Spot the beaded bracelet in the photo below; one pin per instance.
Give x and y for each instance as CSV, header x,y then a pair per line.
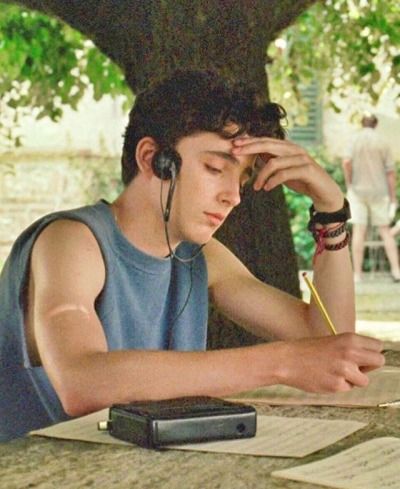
x,y
340,245
328,233
322,233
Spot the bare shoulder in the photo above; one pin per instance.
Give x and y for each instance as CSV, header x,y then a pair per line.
x,y
66,236
222,263
67,253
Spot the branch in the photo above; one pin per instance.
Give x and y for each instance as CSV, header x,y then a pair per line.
x,y
124,30
279,14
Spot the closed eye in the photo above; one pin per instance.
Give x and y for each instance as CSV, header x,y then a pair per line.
x,y
213,169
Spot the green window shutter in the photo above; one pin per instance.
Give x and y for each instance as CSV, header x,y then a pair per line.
x,y
311,133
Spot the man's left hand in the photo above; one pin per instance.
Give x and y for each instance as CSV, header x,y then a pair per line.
x,y
284,162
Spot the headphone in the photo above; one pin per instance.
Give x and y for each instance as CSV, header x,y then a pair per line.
x,y
166,165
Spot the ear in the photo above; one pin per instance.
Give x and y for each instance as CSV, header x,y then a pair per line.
x,y
145,151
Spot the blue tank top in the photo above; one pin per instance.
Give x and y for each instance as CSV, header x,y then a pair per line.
x,y
146,303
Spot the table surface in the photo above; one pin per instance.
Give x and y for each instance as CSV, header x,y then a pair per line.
x,y
35,462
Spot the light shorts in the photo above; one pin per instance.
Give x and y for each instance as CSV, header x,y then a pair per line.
x,y
373,210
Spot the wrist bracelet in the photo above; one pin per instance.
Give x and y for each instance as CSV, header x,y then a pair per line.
x,y
342,215
340,245
320,233
321,246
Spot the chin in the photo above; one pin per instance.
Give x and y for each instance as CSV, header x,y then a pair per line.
x,y
195,232
198,238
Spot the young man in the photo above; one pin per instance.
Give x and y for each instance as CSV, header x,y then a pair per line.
x,y
108,303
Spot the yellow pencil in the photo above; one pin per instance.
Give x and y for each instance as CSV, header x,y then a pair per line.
x,y
319,303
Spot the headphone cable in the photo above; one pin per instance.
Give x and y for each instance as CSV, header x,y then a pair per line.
x,y
165,212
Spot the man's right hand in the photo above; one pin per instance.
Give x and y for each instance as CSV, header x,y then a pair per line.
x,y
331,363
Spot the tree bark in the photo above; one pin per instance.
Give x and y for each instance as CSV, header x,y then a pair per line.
x,y
149,39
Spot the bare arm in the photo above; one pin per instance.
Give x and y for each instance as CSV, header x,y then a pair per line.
x,y
286,163
263,310
67,274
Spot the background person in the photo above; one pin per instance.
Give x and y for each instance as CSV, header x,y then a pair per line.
x,y
370,177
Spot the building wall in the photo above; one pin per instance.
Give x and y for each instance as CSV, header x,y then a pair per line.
x,y
95,128
60,166
32,185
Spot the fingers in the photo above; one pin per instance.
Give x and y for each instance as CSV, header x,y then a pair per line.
x,y
279,157
367,369
364,351
261,145
361,354
287,163
362,348
282,170
372,360
336,363
368,342
355,377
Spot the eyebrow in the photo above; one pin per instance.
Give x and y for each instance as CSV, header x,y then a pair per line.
x,y
224,155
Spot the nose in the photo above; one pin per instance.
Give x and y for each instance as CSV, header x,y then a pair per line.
x,y
231,194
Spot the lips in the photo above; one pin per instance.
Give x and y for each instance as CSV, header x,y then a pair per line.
x,y
215,218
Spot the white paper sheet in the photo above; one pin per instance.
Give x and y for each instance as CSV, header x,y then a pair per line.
x,y
370,465
285,437
276,436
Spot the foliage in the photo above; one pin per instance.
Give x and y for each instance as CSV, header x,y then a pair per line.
x,y
44,65
298,207
351,46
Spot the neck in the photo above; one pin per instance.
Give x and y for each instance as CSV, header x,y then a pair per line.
x,y
139,217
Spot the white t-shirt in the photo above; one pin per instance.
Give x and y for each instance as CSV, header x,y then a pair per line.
x,y
371,159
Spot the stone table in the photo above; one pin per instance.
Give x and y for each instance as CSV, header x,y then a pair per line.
x,y
44,463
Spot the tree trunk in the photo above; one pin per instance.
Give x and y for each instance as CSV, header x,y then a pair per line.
x,y
149,39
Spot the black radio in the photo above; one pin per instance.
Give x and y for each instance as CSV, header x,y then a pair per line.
x,y
154,424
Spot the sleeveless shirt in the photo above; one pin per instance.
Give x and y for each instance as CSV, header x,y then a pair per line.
x,y
146,303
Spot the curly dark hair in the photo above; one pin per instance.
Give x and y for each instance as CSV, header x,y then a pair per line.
x,y
192,101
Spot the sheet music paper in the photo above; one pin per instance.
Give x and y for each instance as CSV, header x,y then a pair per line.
x,y
384,387
370,465
276,436
284,437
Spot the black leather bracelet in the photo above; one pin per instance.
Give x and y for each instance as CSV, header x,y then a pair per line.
x,y
342,215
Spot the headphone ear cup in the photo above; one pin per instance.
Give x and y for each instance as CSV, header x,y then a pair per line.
x,y
166,164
